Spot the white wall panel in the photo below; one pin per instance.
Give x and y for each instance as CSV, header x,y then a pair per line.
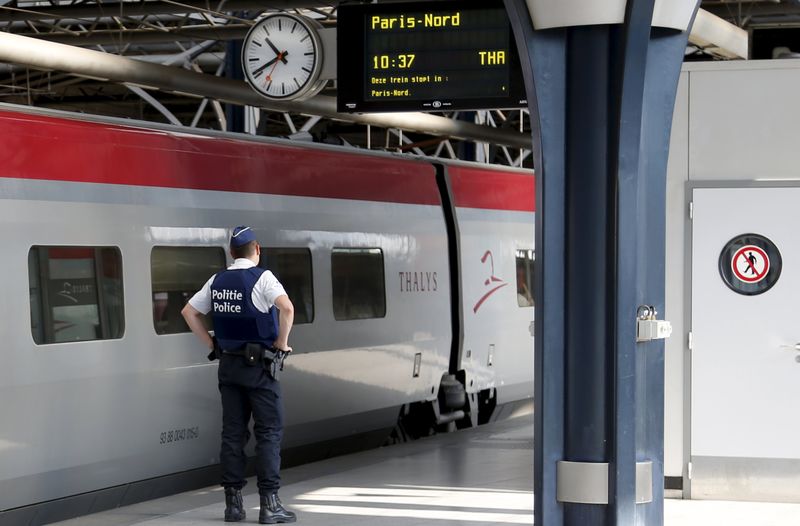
x,y
677,175
743,121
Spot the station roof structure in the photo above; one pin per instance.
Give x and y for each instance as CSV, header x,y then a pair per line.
x,y
198,36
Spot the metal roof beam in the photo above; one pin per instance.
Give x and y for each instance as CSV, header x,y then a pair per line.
x,y
95,10
718,37
101,37
731,10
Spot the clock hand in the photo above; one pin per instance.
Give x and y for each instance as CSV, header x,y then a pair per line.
x,y
275,49
268,41
264,66
275,62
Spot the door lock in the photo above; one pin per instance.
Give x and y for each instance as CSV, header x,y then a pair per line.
x,y
648,327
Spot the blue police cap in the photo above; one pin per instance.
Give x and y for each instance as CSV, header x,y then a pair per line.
x,y
242,235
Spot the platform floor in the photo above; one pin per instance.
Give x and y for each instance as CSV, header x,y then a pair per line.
x,y
475,477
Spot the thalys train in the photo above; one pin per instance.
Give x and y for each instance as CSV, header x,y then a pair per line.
x,y
411,279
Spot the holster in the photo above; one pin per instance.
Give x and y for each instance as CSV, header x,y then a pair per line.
x,y
273,362
216,352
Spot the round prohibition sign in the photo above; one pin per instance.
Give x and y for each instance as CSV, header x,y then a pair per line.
x,y
750,264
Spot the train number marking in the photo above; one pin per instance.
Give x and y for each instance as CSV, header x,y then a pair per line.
x,y
179,435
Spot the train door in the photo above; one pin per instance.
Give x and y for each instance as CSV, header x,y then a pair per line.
x,y
745,344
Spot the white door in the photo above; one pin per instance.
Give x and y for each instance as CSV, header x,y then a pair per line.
x,y
745,362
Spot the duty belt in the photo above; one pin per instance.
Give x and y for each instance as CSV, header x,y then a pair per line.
x,y
254,353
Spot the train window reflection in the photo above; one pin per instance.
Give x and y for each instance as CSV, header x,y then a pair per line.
x,y
75,293
177,273
359,290
525,262
292,267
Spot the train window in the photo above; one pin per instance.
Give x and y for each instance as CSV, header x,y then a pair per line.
x,y
292,267
76,293
177,273
359,289
525,263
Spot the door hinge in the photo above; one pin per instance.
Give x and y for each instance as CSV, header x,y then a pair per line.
x,y
689,340
689,470
691,209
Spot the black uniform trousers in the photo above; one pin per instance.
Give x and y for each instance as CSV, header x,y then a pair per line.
x,y
248,390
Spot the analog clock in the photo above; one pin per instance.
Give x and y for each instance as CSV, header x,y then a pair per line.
x,y
282,57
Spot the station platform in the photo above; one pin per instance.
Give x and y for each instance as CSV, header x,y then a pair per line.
x,y
474,477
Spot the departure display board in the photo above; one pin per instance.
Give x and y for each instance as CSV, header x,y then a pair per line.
x,y
427,56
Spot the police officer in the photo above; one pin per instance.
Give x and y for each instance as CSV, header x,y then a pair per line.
x,y
240,301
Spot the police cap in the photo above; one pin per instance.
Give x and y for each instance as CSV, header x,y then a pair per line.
x,y
242,235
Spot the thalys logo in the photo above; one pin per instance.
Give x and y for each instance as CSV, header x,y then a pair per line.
x,y
492,283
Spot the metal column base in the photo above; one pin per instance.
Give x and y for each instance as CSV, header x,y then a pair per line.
x,y
587,482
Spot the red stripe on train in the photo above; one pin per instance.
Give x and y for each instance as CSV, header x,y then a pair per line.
x,y
49,148
495,190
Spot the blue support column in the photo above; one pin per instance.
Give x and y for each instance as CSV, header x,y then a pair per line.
x,y
601,95
234,113
548,126
625,128
589,261
656,124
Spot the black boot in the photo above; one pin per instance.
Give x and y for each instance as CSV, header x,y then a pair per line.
x,y
234,506
273,512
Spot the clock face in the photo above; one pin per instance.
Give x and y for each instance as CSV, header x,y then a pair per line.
x,y
281,57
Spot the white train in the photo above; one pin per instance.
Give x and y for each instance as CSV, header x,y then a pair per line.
x,y
411,279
